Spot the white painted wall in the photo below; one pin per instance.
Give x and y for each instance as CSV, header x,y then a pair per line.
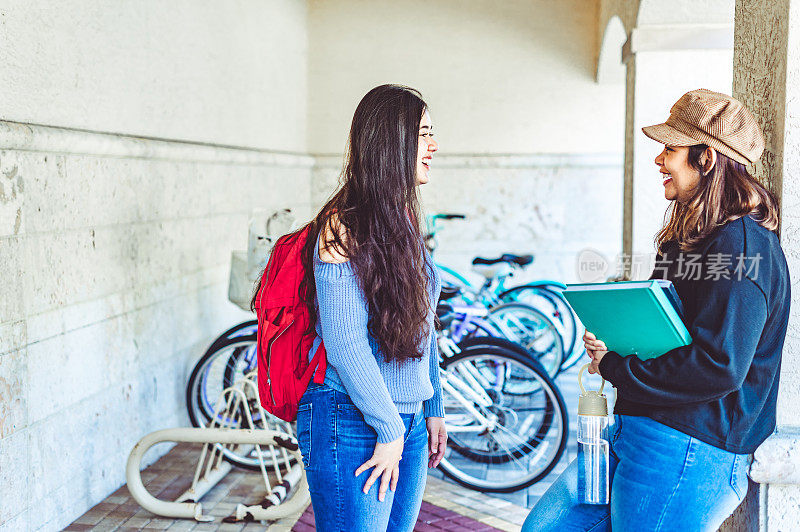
x,y
551,206
500,77
685,11
115,250
230,72
661,78
510,85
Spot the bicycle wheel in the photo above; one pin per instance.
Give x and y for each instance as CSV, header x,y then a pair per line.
x,y
217,369
500,442
533,330
246,328
551,301
242,329
516,383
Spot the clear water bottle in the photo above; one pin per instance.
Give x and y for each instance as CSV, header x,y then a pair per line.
x,y
592,444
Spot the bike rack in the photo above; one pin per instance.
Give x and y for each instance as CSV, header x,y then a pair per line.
x,y
234,408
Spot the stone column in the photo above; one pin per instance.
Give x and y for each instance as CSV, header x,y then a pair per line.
x,y
767,79
662,63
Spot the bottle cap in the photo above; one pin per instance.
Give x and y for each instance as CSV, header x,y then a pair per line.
x,y
592,402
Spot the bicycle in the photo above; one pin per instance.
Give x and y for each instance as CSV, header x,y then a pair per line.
x,y
523,324
233,361
210,375
511,380
545,295
506,420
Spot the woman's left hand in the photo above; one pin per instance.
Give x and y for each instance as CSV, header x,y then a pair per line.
x,y
437,440
596,349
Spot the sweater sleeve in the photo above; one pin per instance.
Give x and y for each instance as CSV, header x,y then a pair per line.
x,y
343,314
434,407
725,334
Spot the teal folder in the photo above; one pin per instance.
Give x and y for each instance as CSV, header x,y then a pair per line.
x,y
633,317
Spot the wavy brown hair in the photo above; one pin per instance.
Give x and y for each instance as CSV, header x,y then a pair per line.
x,y
726,193
373,221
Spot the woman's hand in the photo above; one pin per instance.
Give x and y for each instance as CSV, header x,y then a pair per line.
x,y
437,440
596,349
385,460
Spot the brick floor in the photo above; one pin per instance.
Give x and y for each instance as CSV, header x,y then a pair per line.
x,y
446,506
172,474
431,518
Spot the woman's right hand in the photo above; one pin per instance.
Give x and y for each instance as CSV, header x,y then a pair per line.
x,y
595,349
592,344
385,459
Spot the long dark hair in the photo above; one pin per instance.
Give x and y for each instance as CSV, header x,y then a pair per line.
x,y
373,221
727,193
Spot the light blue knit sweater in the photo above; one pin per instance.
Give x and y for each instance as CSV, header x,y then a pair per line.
x,y
381,390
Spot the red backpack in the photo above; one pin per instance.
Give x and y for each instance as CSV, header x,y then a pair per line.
x,y
284,371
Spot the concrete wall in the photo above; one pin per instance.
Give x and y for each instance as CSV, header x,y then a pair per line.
x,y
509,84
230,72
767,79
500,77
115,250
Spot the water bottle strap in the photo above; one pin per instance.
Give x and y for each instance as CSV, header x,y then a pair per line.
x,y
580,380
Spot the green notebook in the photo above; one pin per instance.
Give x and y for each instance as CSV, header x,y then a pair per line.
x,y
633,317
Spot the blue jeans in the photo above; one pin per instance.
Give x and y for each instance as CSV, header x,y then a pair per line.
x,y
335,440
661,479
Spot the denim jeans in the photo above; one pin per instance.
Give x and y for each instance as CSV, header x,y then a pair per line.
x,y
661,479
335,440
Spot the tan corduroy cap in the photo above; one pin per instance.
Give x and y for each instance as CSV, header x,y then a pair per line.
x,y
717,120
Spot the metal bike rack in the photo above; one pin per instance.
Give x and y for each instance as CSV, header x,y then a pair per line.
x,y
234,408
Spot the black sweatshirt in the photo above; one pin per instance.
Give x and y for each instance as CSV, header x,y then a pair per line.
x,y
723,387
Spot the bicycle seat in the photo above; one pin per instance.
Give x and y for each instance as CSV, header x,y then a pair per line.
x,y
492,271
449,292
445,314
520,260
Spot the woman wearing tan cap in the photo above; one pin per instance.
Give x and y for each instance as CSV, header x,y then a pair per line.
x,y
687,421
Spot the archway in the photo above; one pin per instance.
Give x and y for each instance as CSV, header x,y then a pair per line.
x,y
610,68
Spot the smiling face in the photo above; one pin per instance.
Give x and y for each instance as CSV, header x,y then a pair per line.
x,y
425,148
679,178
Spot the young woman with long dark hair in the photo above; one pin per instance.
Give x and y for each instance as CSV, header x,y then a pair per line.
x,y
371,290
687,421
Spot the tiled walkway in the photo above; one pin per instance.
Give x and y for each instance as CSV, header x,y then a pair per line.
x,y
446,506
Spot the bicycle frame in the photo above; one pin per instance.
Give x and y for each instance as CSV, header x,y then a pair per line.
x,y
468,389
471,317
